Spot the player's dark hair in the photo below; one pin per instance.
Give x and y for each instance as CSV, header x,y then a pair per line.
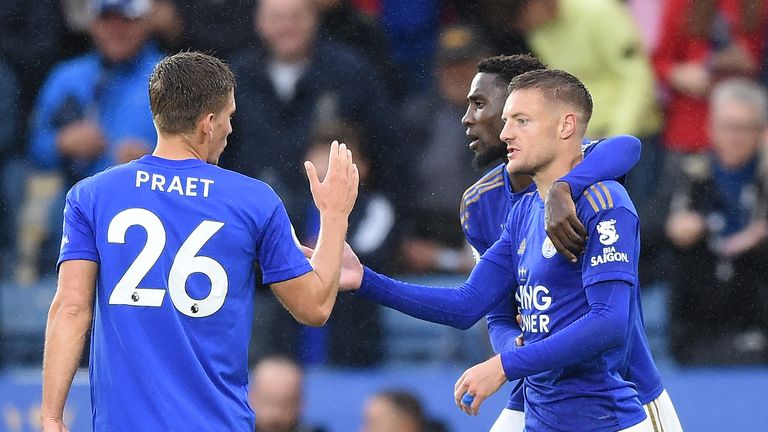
x,y
185,86
406,403
507,67
556,86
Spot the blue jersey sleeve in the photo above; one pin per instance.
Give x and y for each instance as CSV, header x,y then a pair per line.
x,y
606,159
603,327
490,281
78,240
502,327
278,249
611,253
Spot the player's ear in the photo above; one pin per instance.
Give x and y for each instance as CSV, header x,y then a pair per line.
x,y
568,125
206,125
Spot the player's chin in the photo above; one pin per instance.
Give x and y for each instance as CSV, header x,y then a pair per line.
x,y
485,156
514,167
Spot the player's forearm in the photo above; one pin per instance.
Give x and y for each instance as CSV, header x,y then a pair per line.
x,y
65,337
605,326
610,159
502,327
458,307
326,263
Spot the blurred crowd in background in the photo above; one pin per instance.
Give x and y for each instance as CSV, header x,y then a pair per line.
x,y
390,79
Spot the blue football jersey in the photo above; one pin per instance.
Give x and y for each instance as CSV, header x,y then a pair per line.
x,y
484,210
177,242
591,394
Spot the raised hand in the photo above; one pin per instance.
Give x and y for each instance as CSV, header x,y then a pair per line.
x,y
563,226
336,194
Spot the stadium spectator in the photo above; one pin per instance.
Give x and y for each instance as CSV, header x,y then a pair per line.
x,y
597,41
702,42
435,241
295,81
341,22
276,396
221,27
719,229
353,335
397,411
92,112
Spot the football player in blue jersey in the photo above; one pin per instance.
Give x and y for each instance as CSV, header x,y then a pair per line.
x,y
577,318
157,261
482,218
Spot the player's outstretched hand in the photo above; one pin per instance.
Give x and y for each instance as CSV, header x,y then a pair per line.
x,y
563,226
479,381
351,268
336,194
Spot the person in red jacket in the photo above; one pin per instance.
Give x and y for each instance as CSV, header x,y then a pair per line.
x,y
702,42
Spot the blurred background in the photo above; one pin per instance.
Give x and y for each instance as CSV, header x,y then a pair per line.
x,y
390,78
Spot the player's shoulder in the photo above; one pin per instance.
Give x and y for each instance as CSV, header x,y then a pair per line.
x,y
523,205
491,180
96,182
249,188
472,198
587,145
624,142
603,196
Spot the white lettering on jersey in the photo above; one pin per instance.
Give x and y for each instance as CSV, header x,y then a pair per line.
x,y
534,298
186,187
610,254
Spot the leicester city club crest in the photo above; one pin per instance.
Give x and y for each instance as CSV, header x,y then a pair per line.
x,y
548,249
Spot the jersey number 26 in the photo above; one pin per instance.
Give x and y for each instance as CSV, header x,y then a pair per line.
x,y
185,263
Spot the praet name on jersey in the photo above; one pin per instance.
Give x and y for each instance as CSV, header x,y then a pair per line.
x,y
188,186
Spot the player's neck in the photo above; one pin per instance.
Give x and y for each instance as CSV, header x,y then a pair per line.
x,y
178,147
519,182
555,170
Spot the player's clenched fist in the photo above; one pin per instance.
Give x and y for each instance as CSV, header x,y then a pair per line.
x,y
479,382
338,191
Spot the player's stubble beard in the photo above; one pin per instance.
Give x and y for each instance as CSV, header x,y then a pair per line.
x,y
496,152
